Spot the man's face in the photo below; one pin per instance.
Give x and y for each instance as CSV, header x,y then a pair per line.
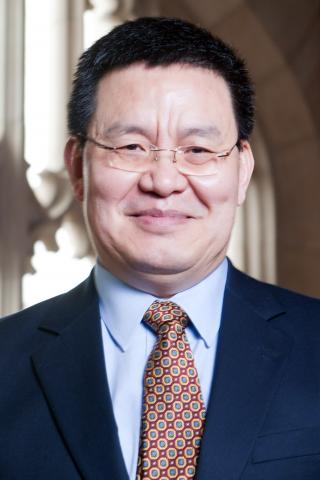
x,y
160,231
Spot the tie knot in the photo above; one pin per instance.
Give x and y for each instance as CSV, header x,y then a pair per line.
x,y
159,314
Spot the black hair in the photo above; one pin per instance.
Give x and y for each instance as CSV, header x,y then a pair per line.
x,y
159,41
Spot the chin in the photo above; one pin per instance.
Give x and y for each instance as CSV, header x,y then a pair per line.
x,y
159,264
144,267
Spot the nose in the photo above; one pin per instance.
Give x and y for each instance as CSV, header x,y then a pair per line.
x,y
163,178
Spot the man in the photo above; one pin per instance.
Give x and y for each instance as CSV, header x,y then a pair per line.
x,y
167,363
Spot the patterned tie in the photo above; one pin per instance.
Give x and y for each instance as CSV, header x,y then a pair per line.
x,y
173,409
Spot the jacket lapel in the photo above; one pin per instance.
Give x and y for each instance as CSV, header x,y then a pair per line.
x,y
70,369
249,366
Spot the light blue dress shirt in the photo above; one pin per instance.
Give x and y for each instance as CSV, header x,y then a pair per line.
x,y
127,344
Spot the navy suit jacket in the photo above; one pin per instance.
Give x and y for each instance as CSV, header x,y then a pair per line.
x,y
263,417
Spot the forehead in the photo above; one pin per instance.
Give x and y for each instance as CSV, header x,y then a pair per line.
x,y
181,93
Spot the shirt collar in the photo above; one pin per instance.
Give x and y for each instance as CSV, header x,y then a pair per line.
x,y
122,306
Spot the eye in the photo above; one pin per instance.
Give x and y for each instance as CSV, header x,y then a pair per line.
x,y
133,147
195,149
197,155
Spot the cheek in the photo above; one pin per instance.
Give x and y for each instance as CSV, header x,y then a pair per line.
x,y
217,191
108,185
105,189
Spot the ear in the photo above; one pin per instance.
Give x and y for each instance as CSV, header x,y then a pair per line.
x,y
245,170
74,164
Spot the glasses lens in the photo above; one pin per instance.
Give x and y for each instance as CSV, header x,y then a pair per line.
x,y
197,161
130,157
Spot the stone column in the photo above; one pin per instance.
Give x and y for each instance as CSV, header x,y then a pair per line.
x,y
53,42
103,15
13,190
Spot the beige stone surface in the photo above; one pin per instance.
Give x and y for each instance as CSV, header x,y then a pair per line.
x,y
218,11
305,65
244,30
299,269
297,174
283,110
180,9
287,22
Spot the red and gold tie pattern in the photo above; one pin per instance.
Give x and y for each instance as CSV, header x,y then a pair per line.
x,y
173,409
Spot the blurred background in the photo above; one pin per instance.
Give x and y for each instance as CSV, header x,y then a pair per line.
x,y
44,248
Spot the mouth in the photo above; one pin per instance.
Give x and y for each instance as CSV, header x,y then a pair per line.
x,y
156,218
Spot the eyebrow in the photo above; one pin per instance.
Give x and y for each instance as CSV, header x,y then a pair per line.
x,y
206,131
122,129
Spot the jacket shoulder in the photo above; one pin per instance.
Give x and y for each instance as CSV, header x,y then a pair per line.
x,y
17,328
288,310
251,288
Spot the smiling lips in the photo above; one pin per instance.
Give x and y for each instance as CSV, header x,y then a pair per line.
x,y
155,217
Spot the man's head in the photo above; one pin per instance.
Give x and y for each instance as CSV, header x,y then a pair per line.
x,y
159,42
160,82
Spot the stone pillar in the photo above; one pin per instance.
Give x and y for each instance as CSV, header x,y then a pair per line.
x,y
103,15
54,41
13,191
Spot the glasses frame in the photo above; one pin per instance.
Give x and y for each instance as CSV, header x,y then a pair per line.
x,y
155,149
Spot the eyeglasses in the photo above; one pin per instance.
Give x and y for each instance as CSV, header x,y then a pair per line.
x,y
137,157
